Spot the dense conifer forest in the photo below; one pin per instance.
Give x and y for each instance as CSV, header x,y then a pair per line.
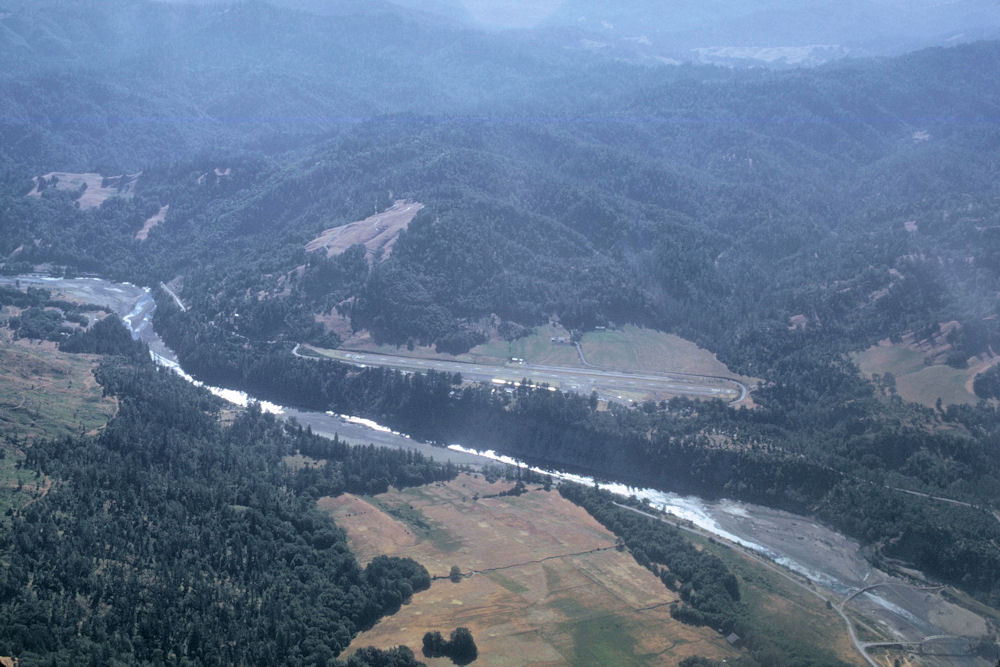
x,y
168,538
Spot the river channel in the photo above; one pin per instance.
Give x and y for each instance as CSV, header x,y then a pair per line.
x,y
820,557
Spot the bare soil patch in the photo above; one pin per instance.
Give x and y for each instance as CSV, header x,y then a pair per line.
x,y
151,222
98,188
377,232
798,322
542,582
219,173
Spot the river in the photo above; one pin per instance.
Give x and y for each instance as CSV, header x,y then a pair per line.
x,y
818,554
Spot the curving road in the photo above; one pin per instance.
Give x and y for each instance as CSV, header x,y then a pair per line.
x,y
858,645
744,390
953,649
950,501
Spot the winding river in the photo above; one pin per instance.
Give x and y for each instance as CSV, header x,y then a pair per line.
x,y
820,557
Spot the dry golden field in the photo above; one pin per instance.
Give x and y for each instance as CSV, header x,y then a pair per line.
x,y
543,583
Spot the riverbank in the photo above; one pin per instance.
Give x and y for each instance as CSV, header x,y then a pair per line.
x,y
824,557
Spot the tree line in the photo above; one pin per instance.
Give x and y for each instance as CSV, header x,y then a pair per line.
x,y
709,593
170,538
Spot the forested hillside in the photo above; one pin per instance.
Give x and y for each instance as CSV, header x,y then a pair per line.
x,y
170,538
136,83
711,203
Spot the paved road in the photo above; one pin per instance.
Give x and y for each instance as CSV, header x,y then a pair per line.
x,y
744,391
953,649
858,645
610,385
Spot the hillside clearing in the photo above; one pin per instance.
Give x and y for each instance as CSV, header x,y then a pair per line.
x,y
97,188
377,232
920,375
44,394
151,222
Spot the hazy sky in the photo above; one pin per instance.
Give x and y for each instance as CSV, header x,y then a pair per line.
x,y
511,13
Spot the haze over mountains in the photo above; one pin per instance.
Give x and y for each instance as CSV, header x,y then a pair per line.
x,y
184,74
772,32
742,32
664,187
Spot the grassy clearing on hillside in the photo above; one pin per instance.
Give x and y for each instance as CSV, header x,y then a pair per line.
x,y
629,348
536,348
915,380
44,393
636,348
96,189
556,592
